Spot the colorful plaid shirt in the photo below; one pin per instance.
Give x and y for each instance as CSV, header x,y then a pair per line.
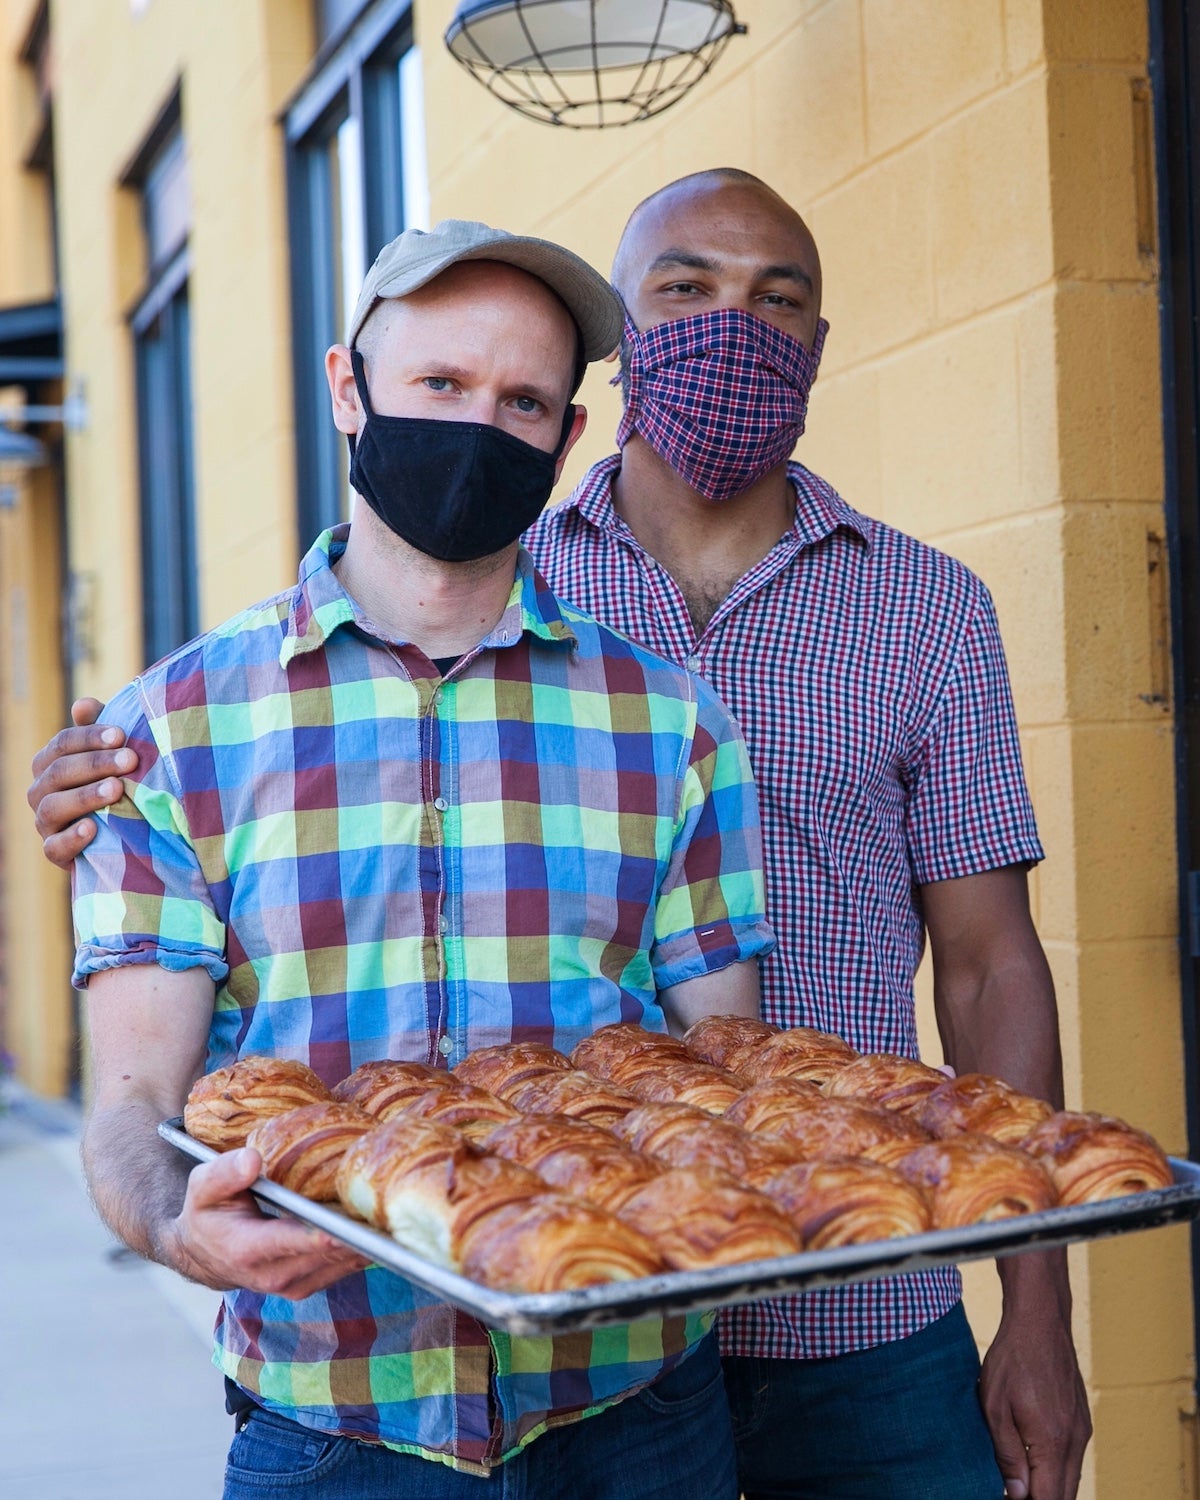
x,y
867,674
371,861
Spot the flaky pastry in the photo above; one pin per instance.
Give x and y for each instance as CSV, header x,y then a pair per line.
x,y
813,1056
886,1080
555,1243
715,1039
504,1068
302,1149
708,1088
432,1208
472,1110
574,1157
844,1202
973,1179
385,1086
400,1145
578,1094
983,1105
1091,1157
227,1103
623,1051
699,1217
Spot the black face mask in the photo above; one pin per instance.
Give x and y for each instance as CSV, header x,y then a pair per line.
x,y
453,490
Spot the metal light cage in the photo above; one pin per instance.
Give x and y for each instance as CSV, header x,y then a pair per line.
x,y
589,64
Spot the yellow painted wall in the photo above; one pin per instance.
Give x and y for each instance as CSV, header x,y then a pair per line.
x,y
38,1003
978,176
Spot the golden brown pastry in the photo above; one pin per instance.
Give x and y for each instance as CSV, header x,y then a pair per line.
x,y
813,1056
624,1050
679,1136
224,1105
432,1208
555,1243
842,1202
840,1127
301,1149
983,1105
472,1110
710,1089
385,1086
888,1081
574,1157
715,1039
1091,1157
699,1217
577,1094
400,1145
504,1068
973,1179
775,1099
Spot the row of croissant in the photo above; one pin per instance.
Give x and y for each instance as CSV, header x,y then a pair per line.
x,y
528,1170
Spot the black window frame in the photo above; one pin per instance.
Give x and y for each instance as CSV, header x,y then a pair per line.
x,y
160,329
355,78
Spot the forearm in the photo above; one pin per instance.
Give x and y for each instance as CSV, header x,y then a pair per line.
x,y
732,991
136,1180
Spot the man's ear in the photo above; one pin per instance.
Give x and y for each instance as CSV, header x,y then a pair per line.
x,y
339,372
573,437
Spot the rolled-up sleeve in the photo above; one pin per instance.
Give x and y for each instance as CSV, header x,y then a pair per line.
x,y
711,904
139,894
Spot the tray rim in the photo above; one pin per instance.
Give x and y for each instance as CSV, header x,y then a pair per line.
x,y
674,1292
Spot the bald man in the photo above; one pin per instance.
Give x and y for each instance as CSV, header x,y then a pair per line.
x,y
867,674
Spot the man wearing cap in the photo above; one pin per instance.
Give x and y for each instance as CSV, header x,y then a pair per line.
x,y
414,806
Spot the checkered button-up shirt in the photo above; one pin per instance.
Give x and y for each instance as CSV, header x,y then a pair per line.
x,y
371,861
867,674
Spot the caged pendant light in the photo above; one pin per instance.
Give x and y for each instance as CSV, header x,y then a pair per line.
x,y
589,64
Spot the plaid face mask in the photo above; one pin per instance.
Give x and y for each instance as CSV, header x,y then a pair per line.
x,y
721,397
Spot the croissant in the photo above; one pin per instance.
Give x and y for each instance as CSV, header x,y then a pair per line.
x,y
813,1056
398,1146
983,1105
715,1039
624,1050
710,1089
891,1082
385,1086
973,1179
431,1208
698,1217
765,1104
577,1094
679,1136
504,1068
843,1202
1091,1157
574,1157
555,1243
472,1110
301,1149
839,1127
224,1105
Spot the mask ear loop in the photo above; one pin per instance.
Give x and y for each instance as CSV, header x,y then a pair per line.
x,y
360,381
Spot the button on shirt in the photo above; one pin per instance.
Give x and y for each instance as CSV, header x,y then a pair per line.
x,y
366,873
867,674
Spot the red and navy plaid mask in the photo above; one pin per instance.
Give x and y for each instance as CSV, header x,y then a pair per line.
x,y
721,397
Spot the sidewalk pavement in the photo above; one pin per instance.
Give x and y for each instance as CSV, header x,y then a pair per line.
x,y
108,1390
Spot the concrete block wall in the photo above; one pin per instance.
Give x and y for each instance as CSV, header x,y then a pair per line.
x,y
979,178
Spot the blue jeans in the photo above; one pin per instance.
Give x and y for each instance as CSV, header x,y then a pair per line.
x,y
672,1438
900,1421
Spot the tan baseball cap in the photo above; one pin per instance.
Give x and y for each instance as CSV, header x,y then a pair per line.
x,y
418,255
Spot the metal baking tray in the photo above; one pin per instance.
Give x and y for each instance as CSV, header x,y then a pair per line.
x,y
683,1291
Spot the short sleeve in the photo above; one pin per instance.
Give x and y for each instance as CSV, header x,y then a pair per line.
x,y
711,905
968,807
139,895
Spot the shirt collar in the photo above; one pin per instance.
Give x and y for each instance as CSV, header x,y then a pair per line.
x,y
320,605
820,510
